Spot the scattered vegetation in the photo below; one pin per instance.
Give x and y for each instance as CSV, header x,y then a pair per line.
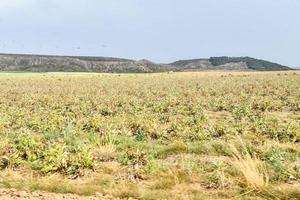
x,y
192,135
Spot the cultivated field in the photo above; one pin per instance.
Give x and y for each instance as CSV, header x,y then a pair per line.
x,y
208,135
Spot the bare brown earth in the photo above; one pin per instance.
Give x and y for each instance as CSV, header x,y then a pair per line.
x,y
12,194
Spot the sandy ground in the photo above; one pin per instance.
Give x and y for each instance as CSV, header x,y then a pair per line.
x,y
12,194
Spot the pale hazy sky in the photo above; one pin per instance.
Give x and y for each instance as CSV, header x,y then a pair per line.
x,y
159,30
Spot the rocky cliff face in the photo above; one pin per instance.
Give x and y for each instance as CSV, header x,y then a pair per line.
x,y
42,63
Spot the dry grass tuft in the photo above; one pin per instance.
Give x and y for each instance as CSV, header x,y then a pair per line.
x,y
255,175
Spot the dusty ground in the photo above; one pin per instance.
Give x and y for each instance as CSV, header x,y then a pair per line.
x,y
12,194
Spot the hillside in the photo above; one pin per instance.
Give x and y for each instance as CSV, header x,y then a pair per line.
x,y
252,63
45,63
229,63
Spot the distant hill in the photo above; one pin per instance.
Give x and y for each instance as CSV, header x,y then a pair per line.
x,y
229,63
252,63
46,63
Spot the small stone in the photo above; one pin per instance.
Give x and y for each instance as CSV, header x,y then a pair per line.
x,y
12,190
23,194
98,194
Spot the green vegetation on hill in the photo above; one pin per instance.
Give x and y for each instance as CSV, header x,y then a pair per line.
x,y
252,63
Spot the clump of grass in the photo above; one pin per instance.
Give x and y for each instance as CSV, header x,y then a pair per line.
x,y
255,176
106,148
174,148
164,183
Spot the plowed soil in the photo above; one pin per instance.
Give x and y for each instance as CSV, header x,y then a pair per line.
x,y
12,194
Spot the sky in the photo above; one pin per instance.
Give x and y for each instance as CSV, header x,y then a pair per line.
x,y
159,30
